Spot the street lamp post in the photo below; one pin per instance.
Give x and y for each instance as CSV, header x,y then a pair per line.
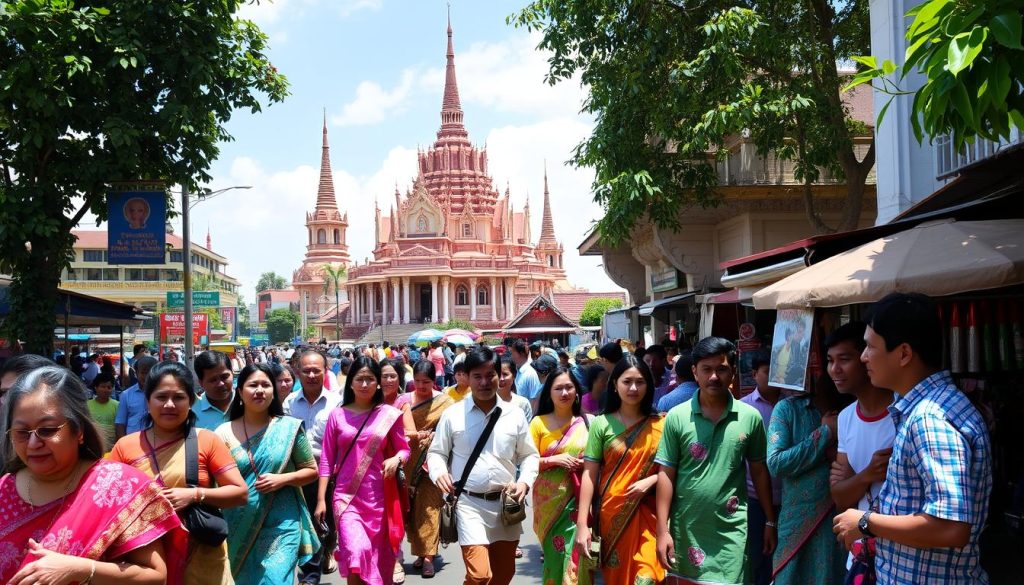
x,y
186,260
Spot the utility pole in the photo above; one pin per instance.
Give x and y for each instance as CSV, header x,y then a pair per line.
x,y
186,274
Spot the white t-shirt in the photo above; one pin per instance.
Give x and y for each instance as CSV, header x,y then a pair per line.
x,y
859,438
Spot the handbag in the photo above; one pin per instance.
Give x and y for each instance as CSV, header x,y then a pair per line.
x,y
449,528
204,523
512,510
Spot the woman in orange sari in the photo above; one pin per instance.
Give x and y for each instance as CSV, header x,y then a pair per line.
x,y
619,471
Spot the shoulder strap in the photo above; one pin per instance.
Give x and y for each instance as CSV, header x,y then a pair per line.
x,y
596,501
495,415
192,458
369,415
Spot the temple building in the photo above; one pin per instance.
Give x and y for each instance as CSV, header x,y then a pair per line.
x,y
450,247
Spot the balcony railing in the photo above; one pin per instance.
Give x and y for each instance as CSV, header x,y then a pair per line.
x,y
949,163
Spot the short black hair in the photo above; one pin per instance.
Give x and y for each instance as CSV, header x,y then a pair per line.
x,y
482,356
519,346
612,400
712,346
24,363
237,408
852,332
102,378
459,366
209,359
910,318
760,360
425,367
658,350
684,368
611,351
138,347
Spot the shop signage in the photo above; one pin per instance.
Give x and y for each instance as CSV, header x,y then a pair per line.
x,y
200,300
137,224
173,324
664,280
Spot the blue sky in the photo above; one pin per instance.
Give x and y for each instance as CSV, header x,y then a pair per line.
x,y
377,66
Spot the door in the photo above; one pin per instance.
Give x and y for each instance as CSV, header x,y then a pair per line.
x,y
425,307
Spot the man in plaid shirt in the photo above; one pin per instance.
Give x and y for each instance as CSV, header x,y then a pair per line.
x,y
935,498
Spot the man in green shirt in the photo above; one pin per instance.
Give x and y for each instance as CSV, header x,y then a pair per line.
x,y
103,408
702,489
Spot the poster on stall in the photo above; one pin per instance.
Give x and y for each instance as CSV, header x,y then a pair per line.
x,y
791,346
137,226
229,316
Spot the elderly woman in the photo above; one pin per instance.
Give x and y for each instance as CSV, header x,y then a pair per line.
x,y
66,515
160,451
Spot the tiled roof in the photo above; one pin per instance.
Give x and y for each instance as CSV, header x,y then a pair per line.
x,y
98,239
570,303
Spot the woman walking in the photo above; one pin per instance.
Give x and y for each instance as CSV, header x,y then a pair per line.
x,y
392,382
560,432
801,446
272,534
426,405
507,387
622,443
364,445
65,514
284,381
159,451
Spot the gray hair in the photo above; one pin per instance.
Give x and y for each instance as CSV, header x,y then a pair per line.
x,y
70,394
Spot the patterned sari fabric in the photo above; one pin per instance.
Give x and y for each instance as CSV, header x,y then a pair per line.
x,y
114,510
628,524
797,443
206,565
555,494
361,504
426,505
272,533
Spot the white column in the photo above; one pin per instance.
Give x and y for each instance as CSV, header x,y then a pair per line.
x,y
446,304
472,299
384,302
371,292
356,309
494,299
510,298
394,297
433,299
405,300
351,307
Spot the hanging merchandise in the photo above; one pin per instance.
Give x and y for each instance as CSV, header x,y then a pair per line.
x,y
988,338
956,340
973,339
1005,337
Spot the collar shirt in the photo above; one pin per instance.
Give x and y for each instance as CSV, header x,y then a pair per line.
x,y
509,446
941,465
313,416
132,410
208,416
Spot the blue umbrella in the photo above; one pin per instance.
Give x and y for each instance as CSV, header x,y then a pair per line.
x,y
425,337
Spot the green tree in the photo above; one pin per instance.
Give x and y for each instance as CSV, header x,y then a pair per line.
x,y
670,81
243,316
594,310
971,56
270,280
333,277
204,282
216,322
456,324
97,92
282,325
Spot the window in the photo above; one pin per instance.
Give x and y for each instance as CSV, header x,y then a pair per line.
x,y
133,274
111,274
93,274
482,296
94,255
461,295
551,261
337,236
71,275
176,256
467,230
151,274
321,236
170,275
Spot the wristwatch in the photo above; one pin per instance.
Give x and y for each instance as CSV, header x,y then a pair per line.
x,y
862,524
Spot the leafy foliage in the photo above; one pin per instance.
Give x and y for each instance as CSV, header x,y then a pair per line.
x,y
216,321
670,82
456,324
333,278
282,325
594,310
98,92
971,56
271,280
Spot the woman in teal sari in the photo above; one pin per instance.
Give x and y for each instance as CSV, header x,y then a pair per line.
x,y
273,534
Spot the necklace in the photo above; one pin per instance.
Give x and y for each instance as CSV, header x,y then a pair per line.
x,y
67,486
248,448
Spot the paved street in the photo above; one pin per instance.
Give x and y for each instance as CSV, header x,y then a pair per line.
x,y
451,571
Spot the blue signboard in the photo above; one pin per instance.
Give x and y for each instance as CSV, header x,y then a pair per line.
x,y
137,227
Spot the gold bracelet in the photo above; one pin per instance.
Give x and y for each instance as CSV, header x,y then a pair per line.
x,y
92,574
202,495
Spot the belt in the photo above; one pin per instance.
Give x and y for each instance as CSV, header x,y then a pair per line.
x,y
489,496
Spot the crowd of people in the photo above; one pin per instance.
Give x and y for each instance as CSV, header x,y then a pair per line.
x,y
641,465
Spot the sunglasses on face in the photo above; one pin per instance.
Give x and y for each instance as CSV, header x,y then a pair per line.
x,y
42,433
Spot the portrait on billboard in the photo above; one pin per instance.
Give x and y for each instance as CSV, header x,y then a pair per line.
x,y
137,229
791,346
136,213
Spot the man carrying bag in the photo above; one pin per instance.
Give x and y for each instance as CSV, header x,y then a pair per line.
x,y
485,473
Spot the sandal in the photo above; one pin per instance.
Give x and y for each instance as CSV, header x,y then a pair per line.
x,y
417,564
519,553
398,576
428,570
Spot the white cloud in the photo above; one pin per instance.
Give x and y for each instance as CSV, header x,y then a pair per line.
x,y
374,104
269,12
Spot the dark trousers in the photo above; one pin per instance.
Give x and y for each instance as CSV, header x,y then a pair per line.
x,y
760,563
311,571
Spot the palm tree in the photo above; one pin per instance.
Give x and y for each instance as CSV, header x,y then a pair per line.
x,y
332,278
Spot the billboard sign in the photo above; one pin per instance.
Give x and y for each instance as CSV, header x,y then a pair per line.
x,y
137,225
200,300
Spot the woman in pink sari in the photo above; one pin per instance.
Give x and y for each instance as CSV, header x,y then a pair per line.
x,y
65,515
364,445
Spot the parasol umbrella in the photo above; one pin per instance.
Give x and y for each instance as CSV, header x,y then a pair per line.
x,y
470,334
425,337
936,258
460,339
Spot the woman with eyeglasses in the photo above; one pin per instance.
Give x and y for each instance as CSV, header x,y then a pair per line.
x,y
272,534
66,515
364,445
159,451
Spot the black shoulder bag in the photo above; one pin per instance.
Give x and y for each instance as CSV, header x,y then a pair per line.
x,y
449,528
595,504
205,523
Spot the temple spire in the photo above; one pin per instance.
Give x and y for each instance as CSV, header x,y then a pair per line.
x,y
451,106
325,198
547,225
209,241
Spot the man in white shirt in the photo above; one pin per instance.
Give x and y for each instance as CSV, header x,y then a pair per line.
x,y
865,429
488,547
312,405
